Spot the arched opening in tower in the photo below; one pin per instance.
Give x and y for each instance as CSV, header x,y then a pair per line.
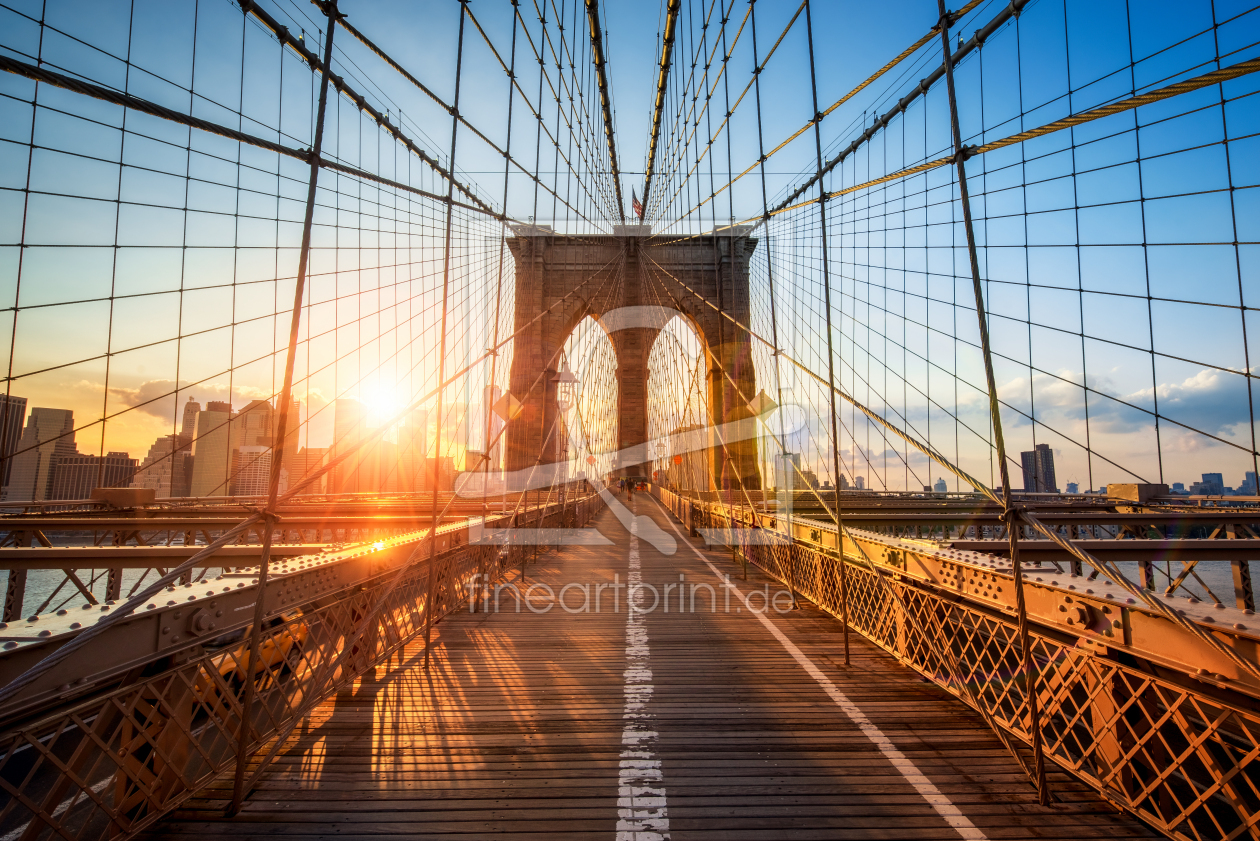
x,y
677,403
586,435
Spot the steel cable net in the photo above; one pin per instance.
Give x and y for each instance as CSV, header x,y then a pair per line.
x,y
190,253
151,265
259,274
1109,161
1109,187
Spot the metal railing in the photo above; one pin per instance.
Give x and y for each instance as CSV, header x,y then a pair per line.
x,y
1130,707
110,763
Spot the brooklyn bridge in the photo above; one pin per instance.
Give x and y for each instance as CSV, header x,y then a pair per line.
x,y
709,419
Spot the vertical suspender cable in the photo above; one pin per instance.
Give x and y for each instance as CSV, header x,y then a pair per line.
x,y
498,295
1010,514
831,355
774,321
286,397
429,601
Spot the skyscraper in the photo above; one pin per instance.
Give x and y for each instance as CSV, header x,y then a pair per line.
x,y
189,423
306,462
785,467
1038,464
493,444
347,432
439,470
75,476
12,418
413,443
47,438
254,426
691,470
291,437
251,471
1213,484
212,450
168,466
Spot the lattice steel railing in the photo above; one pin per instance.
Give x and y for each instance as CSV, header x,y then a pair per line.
x,y
113,763
1177,752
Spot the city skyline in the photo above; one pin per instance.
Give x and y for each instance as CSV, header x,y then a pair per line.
x,y
220,450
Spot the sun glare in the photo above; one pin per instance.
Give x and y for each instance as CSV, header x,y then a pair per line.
x,y
382,404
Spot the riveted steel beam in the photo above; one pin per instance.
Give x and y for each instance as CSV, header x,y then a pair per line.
x,y
658,109
605,99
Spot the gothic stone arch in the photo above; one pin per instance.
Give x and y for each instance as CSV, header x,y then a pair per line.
x,y
551,266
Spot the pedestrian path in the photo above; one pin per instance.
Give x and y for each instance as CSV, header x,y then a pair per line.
x,y
587,719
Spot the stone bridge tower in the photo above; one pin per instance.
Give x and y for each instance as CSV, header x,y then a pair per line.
x,y
628,268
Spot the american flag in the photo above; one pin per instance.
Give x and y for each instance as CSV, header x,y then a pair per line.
x,y
635,204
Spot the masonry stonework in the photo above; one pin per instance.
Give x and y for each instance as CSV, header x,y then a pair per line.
x,y
599,274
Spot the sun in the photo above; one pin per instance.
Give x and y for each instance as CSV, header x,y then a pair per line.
x,y
382,404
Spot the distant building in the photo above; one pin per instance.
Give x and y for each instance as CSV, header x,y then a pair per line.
x,y
940,487
1073,488
212,450
189,423
494,426
413,445
348,420
253,434
255,425
47,438
444,471
1178,487
809,479
859,483
221,436
75,476
1248,486
787,471
12,419
168,466
306,462
1038,464
379,470
251,471
1212,484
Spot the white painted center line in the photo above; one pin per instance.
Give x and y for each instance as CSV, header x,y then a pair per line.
x,y
642,813
926,789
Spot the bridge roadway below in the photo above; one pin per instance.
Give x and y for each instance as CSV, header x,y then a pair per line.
x,y
700,725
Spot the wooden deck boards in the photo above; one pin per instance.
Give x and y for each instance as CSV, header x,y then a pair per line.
x,y
517,729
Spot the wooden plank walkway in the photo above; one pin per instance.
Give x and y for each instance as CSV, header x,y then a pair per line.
x,y
609,724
